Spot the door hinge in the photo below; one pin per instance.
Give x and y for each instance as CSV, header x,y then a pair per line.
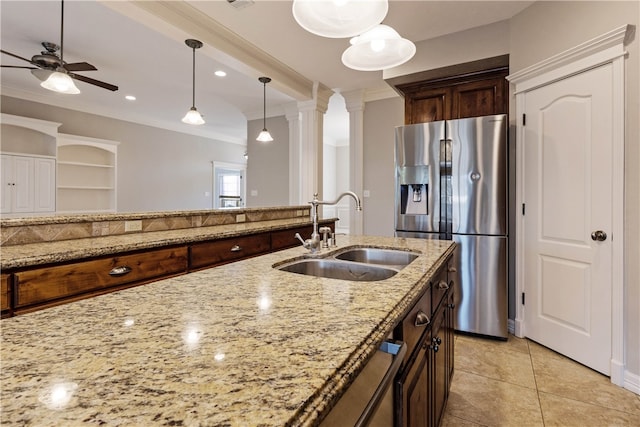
x,y
524,120
523,209
523,298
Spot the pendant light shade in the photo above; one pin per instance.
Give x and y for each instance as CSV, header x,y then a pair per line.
x,y
193,117
378,49
60,82
264,135
339,18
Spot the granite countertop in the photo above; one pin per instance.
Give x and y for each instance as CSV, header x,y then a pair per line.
x,y
66,250
241,344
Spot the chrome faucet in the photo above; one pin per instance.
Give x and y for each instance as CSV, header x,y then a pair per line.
x,y
313,244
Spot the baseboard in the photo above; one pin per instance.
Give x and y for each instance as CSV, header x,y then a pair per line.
x,y
632,382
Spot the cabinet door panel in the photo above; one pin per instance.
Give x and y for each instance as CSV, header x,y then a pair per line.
x,y
4,292
44,185
413,394
24,185
47,284
439,359
482,98
428,106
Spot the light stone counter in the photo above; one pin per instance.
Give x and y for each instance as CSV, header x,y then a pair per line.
x,y
33,254
237,345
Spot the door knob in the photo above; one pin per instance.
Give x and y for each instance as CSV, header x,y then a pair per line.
x,y
599,236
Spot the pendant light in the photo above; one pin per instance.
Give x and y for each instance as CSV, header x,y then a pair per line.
x,y
264,135
193,117
59,80
378,49
339,18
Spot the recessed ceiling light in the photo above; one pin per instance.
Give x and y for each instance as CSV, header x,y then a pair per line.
x,y
130,98
220,73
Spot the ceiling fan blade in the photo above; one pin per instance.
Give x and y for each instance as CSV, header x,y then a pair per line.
x,y
80,66
94,82
18,66
16,56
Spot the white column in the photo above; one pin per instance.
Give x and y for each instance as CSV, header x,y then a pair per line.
x,y
311,140
295,154
354,101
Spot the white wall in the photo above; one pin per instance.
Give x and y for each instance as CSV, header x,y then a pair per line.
x,y
158,170
380,119
477,43
268,164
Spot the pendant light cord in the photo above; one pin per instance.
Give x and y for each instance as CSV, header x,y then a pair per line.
x,y
264,105
193,97
62,33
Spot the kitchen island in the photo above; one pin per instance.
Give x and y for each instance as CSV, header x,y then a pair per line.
x,y
240,344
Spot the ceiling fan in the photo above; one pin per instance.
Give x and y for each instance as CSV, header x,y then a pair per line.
x,y
50,64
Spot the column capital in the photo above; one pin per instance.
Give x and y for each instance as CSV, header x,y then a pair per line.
x,y
354,100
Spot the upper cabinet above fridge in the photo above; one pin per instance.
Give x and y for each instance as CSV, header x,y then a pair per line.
x,y
472,89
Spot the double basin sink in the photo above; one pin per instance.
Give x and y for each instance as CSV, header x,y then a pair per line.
x,y
362,264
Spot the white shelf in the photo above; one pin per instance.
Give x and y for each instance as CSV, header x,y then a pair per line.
x,y
92,165
82,187
86,174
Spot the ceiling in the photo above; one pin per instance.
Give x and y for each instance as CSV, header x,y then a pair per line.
x,y
139,46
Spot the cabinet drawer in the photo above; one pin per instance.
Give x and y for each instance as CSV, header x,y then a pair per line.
x,y
217,252
51,283
4,292
284,239
416,322
439,287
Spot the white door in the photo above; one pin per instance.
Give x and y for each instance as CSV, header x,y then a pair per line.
x,y
45,185
7,184
568,196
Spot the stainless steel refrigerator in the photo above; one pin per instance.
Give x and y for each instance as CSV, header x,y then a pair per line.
x,y
451,183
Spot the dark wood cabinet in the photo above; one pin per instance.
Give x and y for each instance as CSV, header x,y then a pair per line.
x,y
5,294
422,386
413,392
284,239
45,286
217,252
29,289
473,89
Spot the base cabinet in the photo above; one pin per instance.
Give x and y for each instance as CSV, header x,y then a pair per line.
x,y
422,386
33,288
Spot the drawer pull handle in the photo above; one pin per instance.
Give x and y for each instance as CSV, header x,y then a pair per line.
x,y
422,319
452,270
236,248
443,285
120,271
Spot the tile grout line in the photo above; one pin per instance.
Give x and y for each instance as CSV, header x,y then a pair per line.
x,y
535,381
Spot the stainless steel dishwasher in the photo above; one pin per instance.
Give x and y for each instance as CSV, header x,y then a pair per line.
x,y
369,399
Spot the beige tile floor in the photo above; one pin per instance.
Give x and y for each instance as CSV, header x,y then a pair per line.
x,y
520,383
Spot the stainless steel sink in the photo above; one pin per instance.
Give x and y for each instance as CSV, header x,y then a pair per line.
x,y
389,257
338,269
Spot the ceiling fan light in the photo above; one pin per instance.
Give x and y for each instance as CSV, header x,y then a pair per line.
x,y
264,136
378,49
193,117
61,83
339,18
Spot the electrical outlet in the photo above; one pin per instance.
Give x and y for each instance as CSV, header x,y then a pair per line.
x,y
366,193
133,225
241,218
